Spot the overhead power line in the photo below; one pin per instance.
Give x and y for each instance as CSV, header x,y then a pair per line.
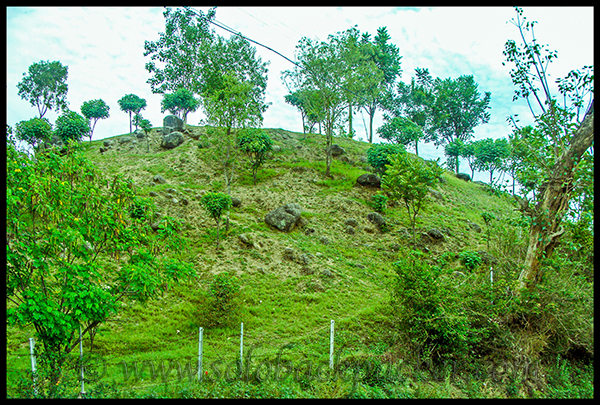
x,y
232,31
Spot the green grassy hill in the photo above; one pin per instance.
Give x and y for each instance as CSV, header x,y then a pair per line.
x,y
292,284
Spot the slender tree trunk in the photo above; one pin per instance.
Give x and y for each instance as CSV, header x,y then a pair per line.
x,y
218,236
371,116
328,157
349,119
545,230
229,170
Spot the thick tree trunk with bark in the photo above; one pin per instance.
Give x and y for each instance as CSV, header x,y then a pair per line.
x,y
546,228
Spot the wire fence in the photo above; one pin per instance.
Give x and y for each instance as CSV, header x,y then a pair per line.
x,y
250,354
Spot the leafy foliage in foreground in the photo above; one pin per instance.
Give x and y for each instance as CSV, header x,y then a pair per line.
x,y
66,227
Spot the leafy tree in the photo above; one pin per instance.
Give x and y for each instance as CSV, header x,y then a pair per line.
x,y
457,108
257,145
320,69
180,103
34,131
453,150
45,87
407,179
95,110
412,101
146,126
491,155
215,205
71,126
179,57
307,102
360,72
377,82
131,104
468,152
234,61
233,97
567,138
401,130
74,254
379,155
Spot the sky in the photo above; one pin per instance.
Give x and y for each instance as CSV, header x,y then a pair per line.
x,y
103,48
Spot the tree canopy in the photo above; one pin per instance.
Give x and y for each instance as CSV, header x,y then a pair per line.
x,y
34,131
71,126
132,104
95,110
45,86
181,103
179,56
457,108
320,69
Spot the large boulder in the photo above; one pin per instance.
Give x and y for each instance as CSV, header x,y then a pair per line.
x,y
377,220
285,217
172,123
369,180
463,176
172,140
337,150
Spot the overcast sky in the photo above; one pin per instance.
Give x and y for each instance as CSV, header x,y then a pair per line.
x,y
103,48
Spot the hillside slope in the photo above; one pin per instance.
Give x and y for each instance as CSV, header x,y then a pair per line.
x,y
335,265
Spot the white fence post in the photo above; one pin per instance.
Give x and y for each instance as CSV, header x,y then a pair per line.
x,y
33,364
200,344
81,359
331,345
241,346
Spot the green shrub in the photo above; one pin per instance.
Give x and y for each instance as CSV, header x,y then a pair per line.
x,y
470,259
223,289
431,310
257,145
140,208
215,205
378,155
379,202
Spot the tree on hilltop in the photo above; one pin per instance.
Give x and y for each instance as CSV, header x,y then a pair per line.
x,y
131,104
457,108
180,55
95,110
181,103
34,131
45,86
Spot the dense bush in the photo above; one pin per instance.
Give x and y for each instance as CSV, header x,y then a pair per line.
x,y
470,259
431,310
71,126
379,203
224,289
378,155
